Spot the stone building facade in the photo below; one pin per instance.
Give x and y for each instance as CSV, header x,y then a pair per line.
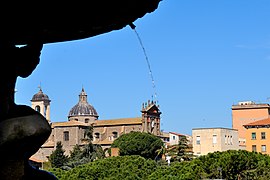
x,y
82,115
207,140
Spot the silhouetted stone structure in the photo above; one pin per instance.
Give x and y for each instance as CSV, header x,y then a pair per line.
x,y
34,23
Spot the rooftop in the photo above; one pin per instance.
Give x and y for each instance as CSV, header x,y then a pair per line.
x,y
249,105
122,121
263,122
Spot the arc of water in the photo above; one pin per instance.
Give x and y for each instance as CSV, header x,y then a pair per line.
x,y
146,58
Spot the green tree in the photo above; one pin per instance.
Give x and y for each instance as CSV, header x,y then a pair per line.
x,y
161,152
184,170
91,151
182,151
113,168
231,164
234,164
58,157
183,148
85,154
75,158
76,153
138,143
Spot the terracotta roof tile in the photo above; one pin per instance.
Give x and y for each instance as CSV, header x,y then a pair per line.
x,y
259,122
48,144
69,123
35,159
112,122
178,134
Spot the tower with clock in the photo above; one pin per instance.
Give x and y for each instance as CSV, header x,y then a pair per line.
x,y
151,118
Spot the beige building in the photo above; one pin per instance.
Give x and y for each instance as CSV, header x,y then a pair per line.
x,y
84,114
207,140
247,112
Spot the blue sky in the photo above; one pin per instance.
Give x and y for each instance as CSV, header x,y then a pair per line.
x,y
204,56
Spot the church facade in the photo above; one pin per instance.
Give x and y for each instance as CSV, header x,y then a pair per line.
x,y
82,115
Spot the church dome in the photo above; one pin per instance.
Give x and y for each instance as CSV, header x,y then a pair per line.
x,y
40,96
83,108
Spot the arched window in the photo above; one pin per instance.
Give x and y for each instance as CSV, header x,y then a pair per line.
x,y
97,136
45,111
115,134
37,108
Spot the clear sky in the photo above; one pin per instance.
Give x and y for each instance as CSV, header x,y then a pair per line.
x,y
204,55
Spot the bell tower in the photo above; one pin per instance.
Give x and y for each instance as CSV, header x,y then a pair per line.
x,y
151,118
41,103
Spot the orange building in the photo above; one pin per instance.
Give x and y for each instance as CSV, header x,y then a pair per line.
x,y
258,136
247,112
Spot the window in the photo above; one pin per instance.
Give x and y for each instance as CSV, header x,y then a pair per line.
x,y
253,136
214,139
97,135
173,137
115,134
231,141
263,135
254,148
66,136
198,139
45,111
86,120
263,148
37,108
